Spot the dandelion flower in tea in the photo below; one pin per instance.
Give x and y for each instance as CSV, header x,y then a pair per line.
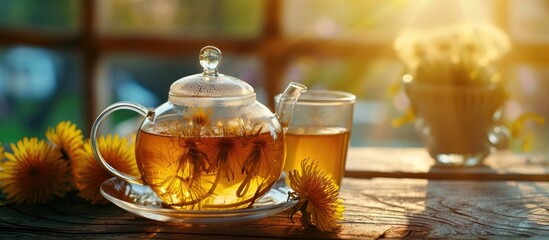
x,y
200,164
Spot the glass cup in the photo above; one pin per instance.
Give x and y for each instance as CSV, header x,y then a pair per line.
x,y
320,129
459,125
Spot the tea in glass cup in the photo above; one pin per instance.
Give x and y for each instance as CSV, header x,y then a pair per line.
x,y
320,129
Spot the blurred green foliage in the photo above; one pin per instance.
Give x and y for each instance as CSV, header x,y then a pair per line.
x,y
50,15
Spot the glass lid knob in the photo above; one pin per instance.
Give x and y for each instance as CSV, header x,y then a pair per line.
x,y
210,86
210,57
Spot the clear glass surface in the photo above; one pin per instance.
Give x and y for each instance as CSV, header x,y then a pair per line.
x,y
528,21
236,19
320,129
370,80
529,87
374,21
141,200
146,79
38,88
60,16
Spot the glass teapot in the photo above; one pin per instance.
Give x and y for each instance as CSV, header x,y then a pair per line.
x,y
212,145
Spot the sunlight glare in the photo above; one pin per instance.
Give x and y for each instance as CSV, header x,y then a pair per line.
x,y
407,78
435,13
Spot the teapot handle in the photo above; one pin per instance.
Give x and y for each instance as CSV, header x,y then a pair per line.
x,y
499,137
93,137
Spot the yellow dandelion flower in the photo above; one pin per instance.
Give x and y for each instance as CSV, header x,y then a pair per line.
x,y
317,196
408,117
34,173
1,152
517,129
89,176
67,137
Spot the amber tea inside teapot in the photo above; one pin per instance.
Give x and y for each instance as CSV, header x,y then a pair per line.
x,y
212,145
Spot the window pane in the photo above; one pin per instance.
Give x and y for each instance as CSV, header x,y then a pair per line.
x,y
370,81
189,18
51,15
38,88
529,94
359,20
529,20
146,79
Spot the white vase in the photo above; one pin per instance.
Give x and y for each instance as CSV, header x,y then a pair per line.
x,y
459,125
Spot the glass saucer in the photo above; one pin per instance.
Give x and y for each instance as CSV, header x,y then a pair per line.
x,y
141,200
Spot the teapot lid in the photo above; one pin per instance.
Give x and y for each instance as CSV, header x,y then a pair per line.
x,y
209,86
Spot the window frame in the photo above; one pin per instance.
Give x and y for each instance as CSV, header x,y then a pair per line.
x,y
93,46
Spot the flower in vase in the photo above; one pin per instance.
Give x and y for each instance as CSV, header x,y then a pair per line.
x,y
317,195
89,176
34,173
461,54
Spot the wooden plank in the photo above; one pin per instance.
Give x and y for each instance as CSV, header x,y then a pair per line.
x,y
90,60
390,208
396,208
38,38
174,46
368,162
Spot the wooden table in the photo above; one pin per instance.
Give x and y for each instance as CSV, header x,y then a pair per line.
x,y
388,193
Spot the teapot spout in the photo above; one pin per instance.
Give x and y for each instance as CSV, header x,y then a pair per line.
x,y
287,101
